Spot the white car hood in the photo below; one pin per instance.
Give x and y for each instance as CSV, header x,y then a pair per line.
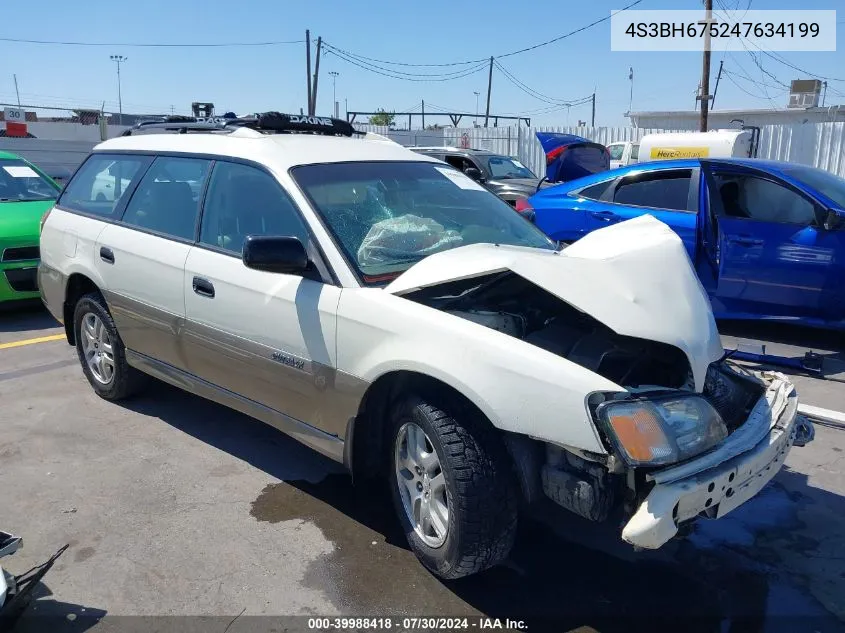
x,y
634,277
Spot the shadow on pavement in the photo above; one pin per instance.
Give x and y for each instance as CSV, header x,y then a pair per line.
x,y
45,614
248,439
26,318
751,571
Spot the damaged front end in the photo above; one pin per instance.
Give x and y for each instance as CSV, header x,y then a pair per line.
x,y
762,431
687,432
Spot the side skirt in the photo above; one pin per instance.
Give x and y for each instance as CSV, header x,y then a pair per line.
x,y
329,445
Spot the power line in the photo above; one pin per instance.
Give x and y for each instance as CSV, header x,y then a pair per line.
x,y
429,78
149,44
778,58
744,75
362,58
730,77
399,74
533,93
562,37
392,63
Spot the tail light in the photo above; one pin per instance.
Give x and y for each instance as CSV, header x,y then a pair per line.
x,y
43,220
524,208
556,153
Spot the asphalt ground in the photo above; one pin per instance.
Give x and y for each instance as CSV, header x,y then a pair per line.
x,y
174,506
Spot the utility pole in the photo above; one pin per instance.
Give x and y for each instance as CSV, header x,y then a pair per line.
x,y
308,66
631,79
119,59
476,93
593,121
423,114
705,67
489,86
316,76
334,75
718,77
824,94
18,94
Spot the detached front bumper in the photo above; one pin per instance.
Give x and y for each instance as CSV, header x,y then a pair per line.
x,y
723,479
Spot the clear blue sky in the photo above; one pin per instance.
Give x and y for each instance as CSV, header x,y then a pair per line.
x,y
249,79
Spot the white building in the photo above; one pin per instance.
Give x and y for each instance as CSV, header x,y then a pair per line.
x,y
689,119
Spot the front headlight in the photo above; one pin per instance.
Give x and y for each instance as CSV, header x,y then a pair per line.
x,y
662,430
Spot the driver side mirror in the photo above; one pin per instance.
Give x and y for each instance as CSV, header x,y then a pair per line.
x,y
474,173
275,254
834,219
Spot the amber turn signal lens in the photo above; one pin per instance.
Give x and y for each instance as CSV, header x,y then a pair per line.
x,y
640,433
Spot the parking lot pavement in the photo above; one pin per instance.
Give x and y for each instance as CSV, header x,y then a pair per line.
x,y
174,505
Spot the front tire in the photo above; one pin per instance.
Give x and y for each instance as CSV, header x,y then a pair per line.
x,y
101,351
452,487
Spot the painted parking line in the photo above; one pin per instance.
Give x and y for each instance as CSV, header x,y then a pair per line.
x,y
822,415
33,341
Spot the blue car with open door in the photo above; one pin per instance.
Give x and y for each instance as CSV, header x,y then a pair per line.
x,y
767,238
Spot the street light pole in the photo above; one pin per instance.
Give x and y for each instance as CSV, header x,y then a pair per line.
x,y
119,59
334,75
476,93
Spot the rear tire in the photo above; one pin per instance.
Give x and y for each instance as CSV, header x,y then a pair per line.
x,y
460,471
101,351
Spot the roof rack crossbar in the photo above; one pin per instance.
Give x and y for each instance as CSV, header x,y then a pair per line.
x,y
266,122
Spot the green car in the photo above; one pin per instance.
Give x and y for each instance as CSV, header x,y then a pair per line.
x,y
26,193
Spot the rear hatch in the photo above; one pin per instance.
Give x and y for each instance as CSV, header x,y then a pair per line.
x,y
569,156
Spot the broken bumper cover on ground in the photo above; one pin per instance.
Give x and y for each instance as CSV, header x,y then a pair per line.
x,y
725,478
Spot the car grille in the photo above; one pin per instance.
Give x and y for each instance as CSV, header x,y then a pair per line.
x,y
23,279
21,254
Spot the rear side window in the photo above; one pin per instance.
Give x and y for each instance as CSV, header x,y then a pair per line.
x,y
635,151
100,186
668,190
167,199
595,192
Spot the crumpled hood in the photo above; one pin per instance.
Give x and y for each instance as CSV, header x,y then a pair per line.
x,y
635,277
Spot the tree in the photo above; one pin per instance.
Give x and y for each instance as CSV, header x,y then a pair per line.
x,y
382,118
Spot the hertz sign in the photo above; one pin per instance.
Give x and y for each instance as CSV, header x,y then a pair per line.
x,y
674,152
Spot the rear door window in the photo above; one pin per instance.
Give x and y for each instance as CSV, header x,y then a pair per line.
x,y
100,186
167,199
660,190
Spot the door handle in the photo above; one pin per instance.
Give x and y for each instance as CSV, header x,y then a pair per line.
x,y
746,241
203,287
605,216
106,254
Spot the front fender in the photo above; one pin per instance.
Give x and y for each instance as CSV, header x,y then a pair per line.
x,y
519,387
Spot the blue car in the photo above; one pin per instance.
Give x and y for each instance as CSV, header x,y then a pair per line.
x,y
767,238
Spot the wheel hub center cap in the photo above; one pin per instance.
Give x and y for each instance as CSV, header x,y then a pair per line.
x,y
426,484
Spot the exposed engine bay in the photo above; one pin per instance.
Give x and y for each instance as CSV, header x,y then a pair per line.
x,y
507,303
587,485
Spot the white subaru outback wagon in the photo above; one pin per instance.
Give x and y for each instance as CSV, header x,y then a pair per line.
x,y
386,310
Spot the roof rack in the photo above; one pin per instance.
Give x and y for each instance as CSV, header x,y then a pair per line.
x,y
266,122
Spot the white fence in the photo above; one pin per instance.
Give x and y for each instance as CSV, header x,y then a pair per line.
x,y
816,144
